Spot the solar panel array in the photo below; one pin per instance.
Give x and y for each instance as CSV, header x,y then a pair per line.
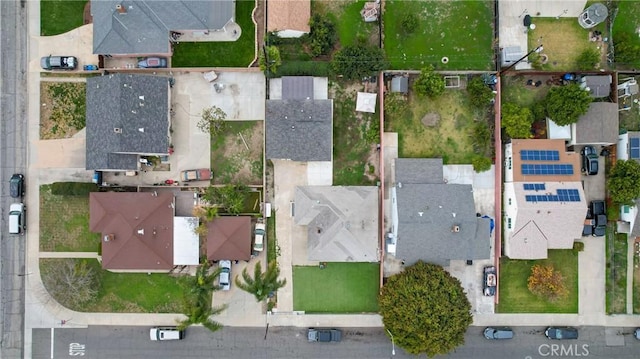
x,y
563,195
539,155
634,148
534,186
554,169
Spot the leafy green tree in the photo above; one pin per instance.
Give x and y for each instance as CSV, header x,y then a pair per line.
x,y
409,23
623,182
425,309
269,60
429,83
230,197
565,104
358,61
588,60
322,36
262,284
197,299
516,120
212,121
481,163
480,94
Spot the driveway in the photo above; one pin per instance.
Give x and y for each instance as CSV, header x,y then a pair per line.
x,y
239,94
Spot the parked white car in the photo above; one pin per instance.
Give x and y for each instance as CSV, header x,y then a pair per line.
x,y
259,234
225,275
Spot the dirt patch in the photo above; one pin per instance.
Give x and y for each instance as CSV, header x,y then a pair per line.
x,y
62,109
238,157
372,167
431,119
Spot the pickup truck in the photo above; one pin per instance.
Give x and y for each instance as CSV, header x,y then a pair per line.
x,y
324,335
598,211
58,62
202,174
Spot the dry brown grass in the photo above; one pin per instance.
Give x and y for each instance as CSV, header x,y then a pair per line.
x,y
62,109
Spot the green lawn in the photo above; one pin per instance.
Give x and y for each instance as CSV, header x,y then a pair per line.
x,y
515,90
64,223
450,138
354,134
338,288
129,292
459,30
272,242
60,16
627,22
616,281
515,297
238,53
349,24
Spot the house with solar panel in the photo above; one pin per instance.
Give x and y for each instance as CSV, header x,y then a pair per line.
x,y
628,148
544,202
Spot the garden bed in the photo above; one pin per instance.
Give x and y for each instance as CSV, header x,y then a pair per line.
x,y
515,297
338,288
236,154
62,110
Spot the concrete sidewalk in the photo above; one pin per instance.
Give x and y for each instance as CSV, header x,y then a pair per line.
x,y
632,251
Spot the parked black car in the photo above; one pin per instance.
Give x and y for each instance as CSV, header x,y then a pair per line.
x,y
598,210
561,333
324,335
498,333
589,160
16,185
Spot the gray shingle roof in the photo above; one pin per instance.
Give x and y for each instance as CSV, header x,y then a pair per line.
x,y
144,27
342,222
297,87
136,105
598,125
299,130
428,216
419,170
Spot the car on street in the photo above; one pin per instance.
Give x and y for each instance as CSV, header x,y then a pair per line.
x,y
166,333
16,185
17,221
152,62
636,333
598,211
589,160
498,333
259,234
59,62
324,335
561,333
225,275
490,281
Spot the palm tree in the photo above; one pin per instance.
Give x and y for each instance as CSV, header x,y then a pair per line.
x,y
262,284
197,299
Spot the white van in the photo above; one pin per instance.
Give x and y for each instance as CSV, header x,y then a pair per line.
x,y
166,333
17,223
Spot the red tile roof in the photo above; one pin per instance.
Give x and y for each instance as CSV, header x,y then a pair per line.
x,y
136,228
229,238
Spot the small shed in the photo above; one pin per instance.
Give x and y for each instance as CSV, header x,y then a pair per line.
x,y
598,86
366,102
593,15
510,55
400,84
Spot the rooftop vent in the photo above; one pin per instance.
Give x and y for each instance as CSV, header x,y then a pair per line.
x,y
121,9
108,237
117,129
141,231
141,129
455,229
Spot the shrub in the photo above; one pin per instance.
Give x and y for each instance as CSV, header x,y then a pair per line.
x,y
480,94
481,137
429,83
358,61
516,120
322,36
481,163
409,23
588,60
578,246
303,68
73,188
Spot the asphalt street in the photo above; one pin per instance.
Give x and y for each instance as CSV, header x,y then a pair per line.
x,y
13,152
288,342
